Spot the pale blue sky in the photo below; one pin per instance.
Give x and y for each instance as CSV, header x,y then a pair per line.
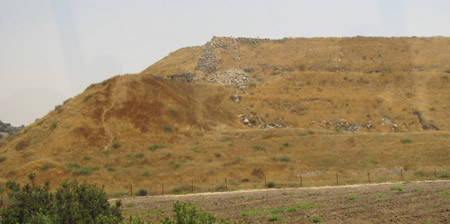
x,y
51,50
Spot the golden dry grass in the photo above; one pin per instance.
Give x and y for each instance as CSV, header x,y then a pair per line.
x,y
109,128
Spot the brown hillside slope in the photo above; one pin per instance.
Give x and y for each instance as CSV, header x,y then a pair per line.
x,y
306,105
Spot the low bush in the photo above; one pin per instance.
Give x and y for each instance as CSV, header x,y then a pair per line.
x,y
71,203
271,184
142,192
116,145
139,155
187,213
86,98
2,159
316,219
351,197
274,218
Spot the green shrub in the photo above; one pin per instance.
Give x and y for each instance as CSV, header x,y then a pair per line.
x,y
146,174
2,159
139,155
168,128
277,211
85,171
46,166
53,124
187,213
111,167
351,197
292,209
195,149
155,147
274,218
271,184
396,188
71,203
286,144
86,98
282,158
405,141
316,219
258,147
142,192
447,192
74,165
116,145
86,158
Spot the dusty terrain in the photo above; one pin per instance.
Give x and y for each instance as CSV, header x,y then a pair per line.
x,y
245,109
416,202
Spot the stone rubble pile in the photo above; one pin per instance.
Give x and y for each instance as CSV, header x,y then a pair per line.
x,y
425,125
251,41
233,77
252,120
236,98
207,61
346,126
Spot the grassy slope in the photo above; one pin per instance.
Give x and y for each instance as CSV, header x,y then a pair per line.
x,y
302,81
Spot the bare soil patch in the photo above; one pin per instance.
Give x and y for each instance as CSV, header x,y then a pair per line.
x,y
414,202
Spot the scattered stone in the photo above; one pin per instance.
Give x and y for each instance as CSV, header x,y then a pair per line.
x,y
248,69
251,41
373,71
253,120
236,98
183,77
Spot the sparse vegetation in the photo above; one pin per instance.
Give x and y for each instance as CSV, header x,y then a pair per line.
x,y
139,155
53,124
351,197
447,192
195,149
396,188
282,158
85,171
46,167
406,141
86,98
258,147
274,218
2,159
168,128
146,174
86,158
316,219
155,147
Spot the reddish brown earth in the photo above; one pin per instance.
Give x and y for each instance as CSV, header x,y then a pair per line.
x,y
417,202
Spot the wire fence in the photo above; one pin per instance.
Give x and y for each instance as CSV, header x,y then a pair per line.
x,y
183,184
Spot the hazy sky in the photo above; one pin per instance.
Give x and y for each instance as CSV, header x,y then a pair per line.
x,y
51,50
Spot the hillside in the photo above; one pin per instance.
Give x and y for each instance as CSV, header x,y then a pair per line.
x,y
242,108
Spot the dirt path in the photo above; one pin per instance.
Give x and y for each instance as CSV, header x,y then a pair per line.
x,y
105,111
416,202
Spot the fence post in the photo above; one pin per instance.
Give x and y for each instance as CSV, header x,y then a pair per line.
x,y
131,189
368,176
265,181
337,179
401,172
435,176
226,184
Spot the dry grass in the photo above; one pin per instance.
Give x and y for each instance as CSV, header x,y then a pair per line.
x,y
328,82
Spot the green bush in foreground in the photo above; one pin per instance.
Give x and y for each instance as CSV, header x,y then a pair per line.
x,y
71,203
187,213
